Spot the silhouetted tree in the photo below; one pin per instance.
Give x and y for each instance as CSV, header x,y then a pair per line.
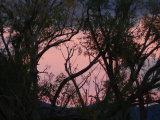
x,y
34,27
112,30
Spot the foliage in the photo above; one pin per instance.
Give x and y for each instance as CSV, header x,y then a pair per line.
x,y
28,30
117,36
125,47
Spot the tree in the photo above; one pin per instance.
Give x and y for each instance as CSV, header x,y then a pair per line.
x,y
115,37
111,31
34,27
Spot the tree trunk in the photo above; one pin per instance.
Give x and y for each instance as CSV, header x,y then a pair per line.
x,y
126,112
79,95
33,73
143,112
34,78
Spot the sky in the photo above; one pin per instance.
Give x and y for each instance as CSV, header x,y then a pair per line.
x,y
54,59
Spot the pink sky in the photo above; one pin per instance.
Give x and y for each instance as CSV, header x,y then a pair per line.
x,y
55,60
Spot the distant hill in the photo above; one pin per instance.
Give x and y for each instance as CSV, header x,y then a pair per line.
x,y
153,112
